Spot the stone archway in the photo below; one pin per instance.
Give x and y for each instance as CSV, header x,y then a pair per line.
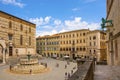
x,y
2,49
2,43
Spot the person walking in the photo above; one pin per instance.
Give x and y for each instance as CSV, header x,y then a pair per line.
x,y
66,76
71,71
30,71
65,66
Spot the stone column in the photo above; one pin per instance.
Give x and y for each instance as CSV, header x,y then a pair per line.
x,y
4,56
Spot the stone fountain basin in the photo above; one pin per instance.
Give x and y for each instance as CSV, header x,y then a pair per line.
x,y
27,68
28,62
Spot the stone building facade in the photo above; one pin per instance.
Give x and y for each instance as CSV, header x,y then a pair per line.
x,y
96,44
16,35
113,32
73,44
48,45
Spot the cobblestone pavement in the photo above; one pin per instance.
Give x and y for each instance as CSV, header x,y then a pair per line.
x,y
55,73
105,72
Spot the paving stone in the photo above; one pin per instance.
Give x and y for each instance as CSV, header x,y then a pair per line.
x,y
106,72
56,73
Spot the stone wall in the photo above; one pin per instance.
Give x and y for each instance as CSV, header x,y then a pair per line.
x,y
113,34
11,30
84,72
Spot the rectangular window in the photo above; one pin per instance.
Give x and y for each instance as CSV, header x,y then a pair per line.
x,y
80,41
90,43
84,40
90,38
94,37
10,36
21,39
29,40
29,30
10,24
21,27
83,34
69,42
94,43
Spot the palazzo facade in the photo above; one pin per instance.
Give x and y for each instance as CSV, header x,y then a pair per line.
x,y
17,36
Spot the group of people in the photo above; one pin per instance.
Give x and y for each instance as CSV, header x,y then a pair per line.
x,y
45,64
68,75
57,65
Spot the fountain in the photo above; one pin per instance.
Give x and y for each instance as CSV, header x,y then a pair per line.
x,y
28,65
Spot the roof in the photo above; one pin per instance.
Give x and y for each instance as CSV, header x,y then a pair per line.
x,y
94,31
17,17
75,31
49,36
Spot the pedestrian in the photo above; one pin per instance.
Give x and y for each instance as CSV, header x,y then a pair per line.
x,y
68,62
71,71
68,75
46,65
57,65
95,60
65,75
30,71
65,66
10,67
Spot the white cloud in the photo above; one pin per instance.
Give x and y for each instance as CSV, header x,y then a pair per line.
x,y
47,27
63,30
75,9
57,22
53,26
37,21
42,33
40,21
13,2
94,26
77,23
47,19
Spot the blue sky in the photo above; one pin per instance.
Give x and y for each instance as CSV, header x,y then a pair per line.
x,y
54,16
